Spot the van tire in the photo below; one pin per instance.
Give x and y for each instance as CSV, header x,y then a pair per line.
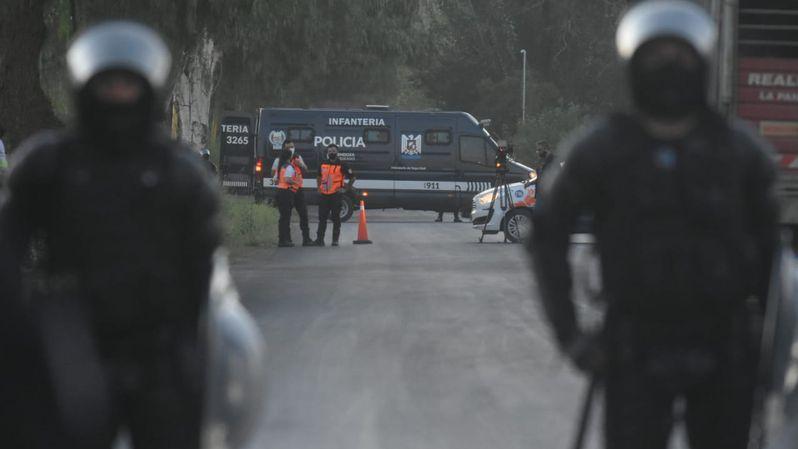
x,y
517,225
347,208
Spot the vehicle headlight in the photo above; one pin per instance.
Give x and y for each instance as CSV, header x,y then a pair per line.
x,y
483,199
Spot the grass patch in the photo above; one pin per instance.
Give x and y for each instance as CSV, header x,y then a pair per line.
x,y
247,223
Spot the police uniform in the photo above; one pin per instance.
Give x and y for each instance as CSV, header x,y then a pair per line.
x,y
128,221
685,227
287,180
300,205
331,184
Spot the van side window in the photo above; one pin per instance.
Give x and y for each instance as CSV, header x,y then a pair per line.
x,y
437,137
301,134
472,149
373,135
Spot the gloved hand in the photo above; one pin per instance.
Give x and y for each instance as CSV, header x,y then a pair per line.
x,y
587,353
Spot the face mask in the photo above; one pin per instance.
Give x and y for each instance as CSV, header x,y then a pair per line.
x,y
670,92
291,150
116,126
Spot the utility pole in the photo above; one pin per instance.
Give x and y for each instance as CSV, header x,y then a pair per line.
x,y
523,88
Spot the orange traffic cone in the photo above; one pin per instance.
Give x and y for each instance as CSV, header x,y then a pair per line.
x,y
362,232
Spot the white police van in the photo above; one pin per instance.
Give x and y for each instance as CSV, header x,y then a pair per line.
x,y
402,159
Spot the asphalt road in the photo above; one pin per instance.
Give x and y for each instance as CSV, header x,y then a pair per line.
x,y
424,340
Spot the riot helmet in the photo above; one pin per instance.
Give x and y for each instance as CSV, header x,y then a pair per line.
x,y
205,153
119,45
667,46
117,70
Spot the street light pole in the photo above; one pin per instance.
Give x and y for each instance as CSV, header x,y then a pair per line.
x,y
523,88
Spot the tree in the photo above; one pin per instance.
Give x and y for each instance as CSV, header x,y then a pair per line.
x,y
24,108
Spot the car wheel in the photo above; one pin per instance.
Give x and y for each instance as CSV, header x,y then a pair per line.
x,y
347,208
518,225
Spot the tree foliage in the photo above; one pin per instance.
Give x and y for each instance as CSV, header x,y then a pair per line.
x,y
445,54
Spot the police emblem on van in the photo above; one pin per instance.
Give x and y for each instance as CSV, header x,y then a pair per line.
x,y
411,146
277,137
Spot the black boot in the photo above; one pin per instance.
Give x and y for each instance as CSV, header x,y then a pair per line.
x,y
285,244
307,241
319,240
335,243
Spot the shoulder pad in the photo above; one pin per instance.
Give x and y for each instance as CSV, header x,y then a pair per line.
x,y
37,159
745,135
593,135
190,175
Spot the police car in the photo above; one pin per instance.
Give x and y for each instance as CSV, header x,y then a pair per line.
x,y
412,160
513,216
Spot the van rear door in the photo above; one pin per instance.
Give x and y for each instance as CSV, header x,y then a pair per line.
x,y
424,163
236,151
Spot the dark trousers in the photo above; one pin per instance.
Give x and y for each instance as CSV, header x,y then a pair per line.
x,y
715,382
150,382
329,207
159,396
28,416
285,202
302,210
455,212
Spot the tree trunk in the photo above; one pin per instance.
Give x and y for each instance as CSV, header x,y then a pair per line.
x,y
193,91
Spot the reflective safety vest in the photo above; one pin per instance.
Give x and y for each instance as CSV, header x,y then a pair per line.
x,y
284,182
332,178
297,175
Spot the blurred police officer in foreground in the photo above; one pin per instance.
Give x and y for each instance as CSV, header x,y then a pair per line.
x,y
330,181
128,220
685,225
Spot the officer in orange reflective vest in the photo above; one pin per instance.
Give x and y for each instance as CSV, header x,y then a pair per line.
x,y
299,197
331,183
286,180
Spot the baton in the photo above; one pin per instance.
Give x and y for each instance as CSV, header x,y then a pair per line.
x,y
584,417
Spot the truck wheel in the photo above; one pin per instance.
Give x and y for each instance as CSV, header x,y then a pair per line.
x,y
518,225
347,209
